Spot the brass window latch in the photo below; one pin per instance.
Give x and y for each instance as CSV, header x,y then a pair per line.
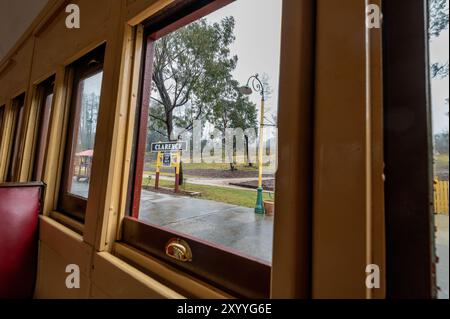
x,y
179,249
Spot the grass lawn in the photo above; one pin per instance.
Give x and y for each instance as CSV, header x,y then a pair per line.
x,y
441,166
441,159
245,198
148,173
219,166
215,166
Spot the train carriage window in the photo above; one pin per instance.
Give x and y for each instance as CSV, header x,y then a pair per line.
x,y
79,150
44,95
206,145
17,122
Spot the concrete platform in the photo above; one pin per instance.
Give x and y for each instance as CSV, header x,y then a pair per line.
x,y
80,189
442,247
235,227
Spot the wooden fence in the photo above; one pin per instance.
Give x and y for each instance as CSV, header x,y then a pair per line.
x,y
440,197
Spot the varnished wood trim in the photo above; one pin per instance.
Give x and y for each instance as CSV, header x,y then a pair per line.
x,y
191,286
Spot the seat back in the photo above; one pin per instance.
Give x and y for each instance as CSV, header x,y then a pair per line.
x,y
20,205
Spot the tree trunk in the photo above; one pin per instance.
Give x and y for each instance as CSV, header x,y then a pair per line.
x,y
181,180
247,152
169,125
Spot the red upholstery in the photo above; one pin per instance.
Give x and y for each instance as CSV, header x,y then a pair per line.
x,y
19,210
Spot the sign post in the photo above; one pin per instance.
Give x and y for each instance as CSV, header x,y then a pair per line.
x,y
176,159
158,169
169,155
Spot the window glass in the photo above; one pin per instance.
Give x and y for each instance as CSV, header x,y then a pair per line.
x,y
82,127
45,92
84,137
17,120
208,161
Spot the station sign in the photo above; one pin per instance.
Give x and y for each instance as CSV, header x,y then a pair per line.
x,y
166,147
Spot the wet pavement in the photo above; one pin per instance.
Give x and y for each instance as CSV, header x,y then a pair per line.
x,y
237,228
80,188
234,227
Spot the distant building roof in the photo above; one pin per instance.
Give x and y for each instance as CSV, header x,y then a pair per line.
x,y
87,153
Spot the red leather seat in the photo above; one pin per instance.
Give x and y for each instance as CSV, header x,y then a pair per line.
x,y
19,209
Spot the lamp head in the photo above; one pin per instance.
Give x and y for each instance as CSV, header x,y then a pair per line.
x,y
245,90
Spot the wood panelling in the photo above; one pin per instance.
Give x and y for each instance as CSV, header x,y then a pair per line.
x,y
16,21
94,15
139,10
128,283
97,293
51,282
348,233
291,273
67,243
14,78
56,138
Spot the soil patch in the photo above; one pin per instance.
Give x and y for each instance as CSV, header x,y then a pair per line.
x,y
216,173
171,191
268,185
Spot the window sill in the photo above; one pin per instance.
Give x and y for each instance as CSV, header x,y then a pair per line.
x,y
67,222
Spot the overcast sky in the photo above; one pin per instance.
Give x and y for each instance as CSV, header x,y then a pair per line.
x,y
257,44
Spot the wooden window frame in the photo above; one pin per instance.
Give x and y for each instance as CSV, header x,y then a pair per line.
x,y
410,253
17,121
225,268
43,91
70,204
2,121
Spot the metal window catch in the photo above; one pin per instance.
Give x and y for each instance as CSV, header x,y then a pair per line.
x,y
178,249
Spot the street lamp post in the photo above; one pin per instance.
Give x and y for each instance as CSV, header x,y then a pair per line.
x,y
258,86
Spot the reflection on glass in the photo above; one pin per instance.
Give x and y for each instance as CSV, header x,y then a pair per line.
x,y
17,127
85,124
42,137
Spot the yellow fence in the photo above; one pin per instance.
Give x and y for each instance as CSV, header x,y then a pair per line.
x,y
441,197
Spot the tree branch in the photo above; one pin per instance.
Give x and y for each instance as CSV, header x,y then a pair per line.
x,y
156,100
157,131
157,118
